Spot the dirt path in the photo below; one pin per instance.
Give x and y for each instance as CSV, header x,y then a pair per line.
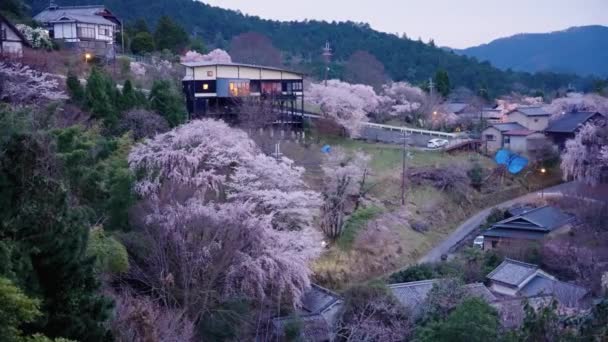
x,y
474,221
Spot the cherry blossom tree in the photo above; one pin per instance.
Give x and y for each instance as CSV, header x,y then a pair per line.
x,y
402,99
198,255
24,85
577,102
344,186
215,56
585,157
216,162
346,104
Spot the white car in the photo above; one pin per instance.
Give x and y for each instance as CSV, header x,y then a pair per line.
x,y
437,143
478,242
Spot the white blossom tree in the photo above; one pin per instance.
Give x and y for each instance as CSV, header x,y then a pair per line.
x,y
216,162
215,56
577,102
402,99
38,37
198,255
346,104
344,186
24,85
586,156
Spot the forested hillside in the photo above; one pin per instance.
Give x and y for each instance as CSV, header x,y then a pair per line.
x,y
301,44
581,50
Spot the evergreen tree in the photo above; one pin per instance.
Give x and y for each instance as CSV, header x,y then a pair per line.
x,y
75,88
140,26
15,309
49,238
473,320
142,43
169,35
130,98
100,97
442,81
165,100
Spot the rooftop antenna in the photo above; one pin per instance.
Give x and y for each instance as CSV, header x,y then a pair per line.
x,y
327,58
52,4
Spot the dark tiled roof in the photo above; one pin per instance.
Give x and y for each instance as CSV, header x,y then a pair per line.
x,y
413,294
532,111
566,294
544,219
512,272
569,123
318,299
314,328
514,234
508,126
479,290
454,107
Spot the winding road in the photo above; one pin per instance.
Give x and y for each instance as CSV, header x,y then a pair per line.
x,y
573,189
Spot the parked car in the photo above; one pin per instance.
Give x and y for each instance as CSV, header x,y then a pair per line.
x,y
437,143
478,242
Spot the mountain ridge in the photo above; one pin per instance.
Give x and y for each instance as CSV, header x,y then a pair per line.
x,y
582,50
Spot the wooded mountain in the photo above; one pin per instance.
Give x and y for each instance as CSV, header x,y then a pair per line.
x,y
301,44
581,50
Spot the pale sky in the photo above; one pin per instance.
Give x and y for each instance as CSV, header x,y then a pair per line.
x,y
453,23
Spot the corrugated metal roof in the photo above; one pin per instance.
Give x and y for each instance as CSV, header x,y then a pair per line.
x,y
569,123
549,217
512,272
514,234
532,111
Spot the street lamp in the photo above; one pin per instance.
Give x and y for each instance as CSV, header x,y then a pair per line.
x,y
87,57
543,171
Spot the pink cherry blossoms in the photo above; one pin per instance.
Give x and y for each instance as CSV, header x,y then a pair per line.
x,y
215,56
213,160
346,104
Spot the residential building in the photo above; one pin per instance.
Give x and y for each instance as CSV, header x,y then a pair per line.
x,y
522,133
88,29
534,118
215,89
318,316
491,115
566,126
529,226
493,137
11,39
522,280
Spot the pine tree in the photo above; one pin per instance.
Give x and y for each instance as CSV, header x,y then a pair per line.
x,y
100,97
169,35
442,80
165,100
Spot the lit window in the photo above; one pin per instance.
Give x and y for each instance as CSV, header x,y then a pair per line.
x,y
205,86
231,86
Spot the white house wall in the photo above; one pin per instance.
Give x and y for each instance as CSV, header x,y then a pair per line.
x,y
205,73
249,73
12,48
271,74
65,31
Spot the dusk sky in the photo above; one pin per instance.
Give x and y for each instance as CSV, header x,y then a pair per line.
x,y
457,24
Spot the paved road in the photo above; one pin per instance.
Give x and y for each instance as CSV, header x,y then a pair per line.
x,y
571,188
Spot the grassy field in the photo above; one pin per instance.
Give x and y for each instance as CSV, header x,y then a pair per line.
x,y
381,243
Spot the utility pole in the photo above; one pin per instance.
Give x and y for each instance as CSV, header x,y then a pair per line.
x,y
327,58
403,167
431,87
